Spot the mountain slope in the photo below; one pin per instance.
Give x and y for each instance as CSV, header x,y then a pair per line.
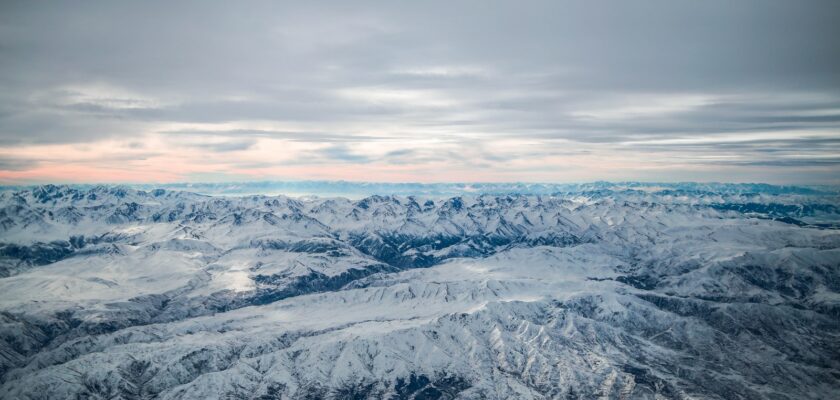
x,y
618,292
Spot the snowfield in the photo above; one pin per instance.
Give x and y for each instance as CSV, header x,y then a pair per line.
x,y
609,292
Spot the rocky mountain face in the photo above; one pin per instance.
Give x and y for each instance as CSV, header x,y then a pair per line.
x,y
632,292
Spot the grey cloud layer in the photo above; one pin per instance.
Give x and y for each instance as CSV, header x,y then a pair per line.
x,y
544,71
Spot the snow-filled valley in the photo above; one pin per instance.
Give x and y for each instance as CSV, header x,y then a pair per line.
x,y
613,292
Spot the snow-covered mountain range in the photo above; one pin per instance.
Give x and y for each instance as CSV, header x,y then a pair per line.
x,y
594,291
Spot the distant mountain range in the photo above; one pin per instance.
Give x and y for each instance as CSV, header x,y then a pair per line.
x,y
470,291
364,189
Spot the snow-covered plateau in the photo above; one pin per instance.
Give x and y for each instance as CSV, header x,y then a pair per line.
x,y
604,291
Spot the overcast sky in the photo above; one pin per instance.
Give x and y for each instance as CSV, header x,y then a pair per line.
x,y
554,91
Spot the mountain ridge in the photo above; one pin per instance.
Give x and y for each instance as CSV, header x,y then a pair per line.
x,y
118,292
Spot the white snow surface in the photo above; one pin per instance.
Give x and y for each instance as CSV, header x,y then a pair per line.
x,y
108,292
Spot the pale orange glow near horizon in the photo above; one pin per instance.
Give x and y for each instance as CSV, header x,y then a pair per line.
x,y
163,160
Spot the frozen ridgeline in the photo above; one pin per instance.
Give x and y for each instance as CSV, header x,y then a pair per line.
x,y
603,292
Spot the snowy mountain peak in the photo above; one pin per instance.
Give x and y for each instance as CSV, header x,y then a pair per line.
x,y
700,291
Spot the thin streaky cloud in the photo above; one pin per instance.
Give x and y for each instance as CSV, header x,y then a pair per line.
x,y
432,91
